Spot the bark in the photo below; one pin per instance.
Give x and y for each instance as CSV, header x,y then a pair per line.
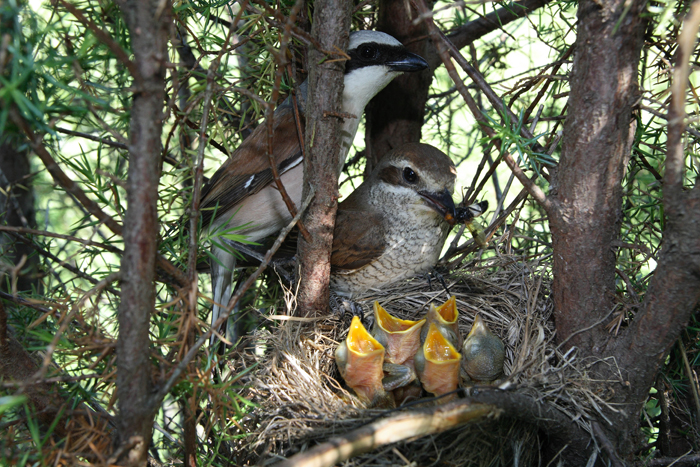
x,y
586,216
674,292
149,23
17,210
395,115
322,152
598,135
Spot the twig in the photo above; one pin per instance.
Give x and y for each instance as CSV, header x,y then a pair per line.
x,y
673,180
106,39
41,373
682,461
165,388
270,117
442,44
390,430
44,233
60,176
115,144
606,445
691,379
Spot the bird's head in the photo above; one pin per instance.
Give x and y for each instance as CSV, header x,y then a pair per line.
x,y
422,176
375,59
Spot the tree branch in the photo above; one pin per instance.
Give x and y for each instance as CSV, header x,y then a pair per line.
x,y
149,23
473,30
331,27
391,430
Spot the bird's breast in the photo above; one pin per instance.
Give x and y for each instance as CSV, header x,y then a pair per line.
x,y
413,248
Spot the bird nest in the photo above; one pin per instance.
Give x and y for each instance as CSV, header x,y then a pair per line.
x,y
302,400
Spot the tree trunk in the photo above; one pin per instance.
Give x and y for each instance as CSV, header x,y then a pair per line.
x,y
395,115
149,23
322,153
598,136
17,210
586,219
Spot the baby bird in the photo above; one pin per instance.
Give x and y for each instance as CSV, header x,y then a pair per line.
x,y
483,353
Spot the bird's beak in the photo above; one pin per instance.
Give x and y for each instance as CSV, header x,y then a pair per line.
x,y
401,337
483,353
360,359
445,318
442,203
439,363
408,62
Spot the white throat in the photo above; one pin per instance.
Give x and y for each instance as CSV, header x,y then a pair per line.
x,y
361,85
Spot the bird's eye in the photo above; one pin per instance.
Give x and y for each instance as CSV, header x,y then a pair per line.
x,y
409,175
367,51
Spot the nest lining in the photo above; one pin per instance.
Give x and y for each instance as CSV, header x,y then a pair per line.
x,y
302,400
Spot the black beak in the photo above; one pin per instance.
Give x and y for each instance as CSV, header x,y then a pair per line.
x,y
407,61
442,203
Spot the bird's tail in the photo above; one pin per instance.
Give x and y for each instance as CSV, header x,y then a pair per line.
x,y
221,280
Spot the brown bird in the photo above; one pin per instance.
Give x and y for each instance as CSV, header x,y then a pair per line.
x,y
242,197
438,363
483,353
394,225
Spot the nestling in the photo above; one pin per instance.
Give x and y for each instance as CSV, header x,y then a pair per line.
x,y
483,353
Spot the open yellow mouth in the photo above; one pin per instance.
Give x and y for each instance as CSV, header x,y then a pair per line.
x,y
392,324
440,374
401,337
448,311
360,359
437,349
361,342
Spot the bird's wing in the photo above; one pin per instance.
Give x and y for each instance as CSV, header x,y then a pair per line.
x,y
248,171
358,239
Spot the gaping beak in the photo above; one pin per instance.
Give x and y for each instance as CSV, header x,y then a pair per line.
x,y
483,353
442,203
360,359
445,318
437,363
400,337
408,62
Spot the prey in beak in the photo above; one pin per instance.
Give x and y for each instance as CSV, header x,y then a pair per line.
x,y
442,203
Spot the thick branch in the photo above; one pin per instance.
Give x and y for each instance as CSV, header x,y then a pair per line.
x,y
322,153
674,291
598,136
149,23
391,430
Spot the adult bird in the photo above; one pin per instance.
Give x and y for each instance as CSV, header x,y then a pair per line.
x,y
242,194
394,225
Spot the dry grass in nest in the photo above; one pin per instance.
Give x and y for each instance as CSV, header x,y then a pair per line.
x,y
302,400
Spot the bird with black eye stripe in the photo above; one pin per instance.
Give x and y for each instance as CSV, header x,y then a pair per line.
x,y
242,196
394,225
